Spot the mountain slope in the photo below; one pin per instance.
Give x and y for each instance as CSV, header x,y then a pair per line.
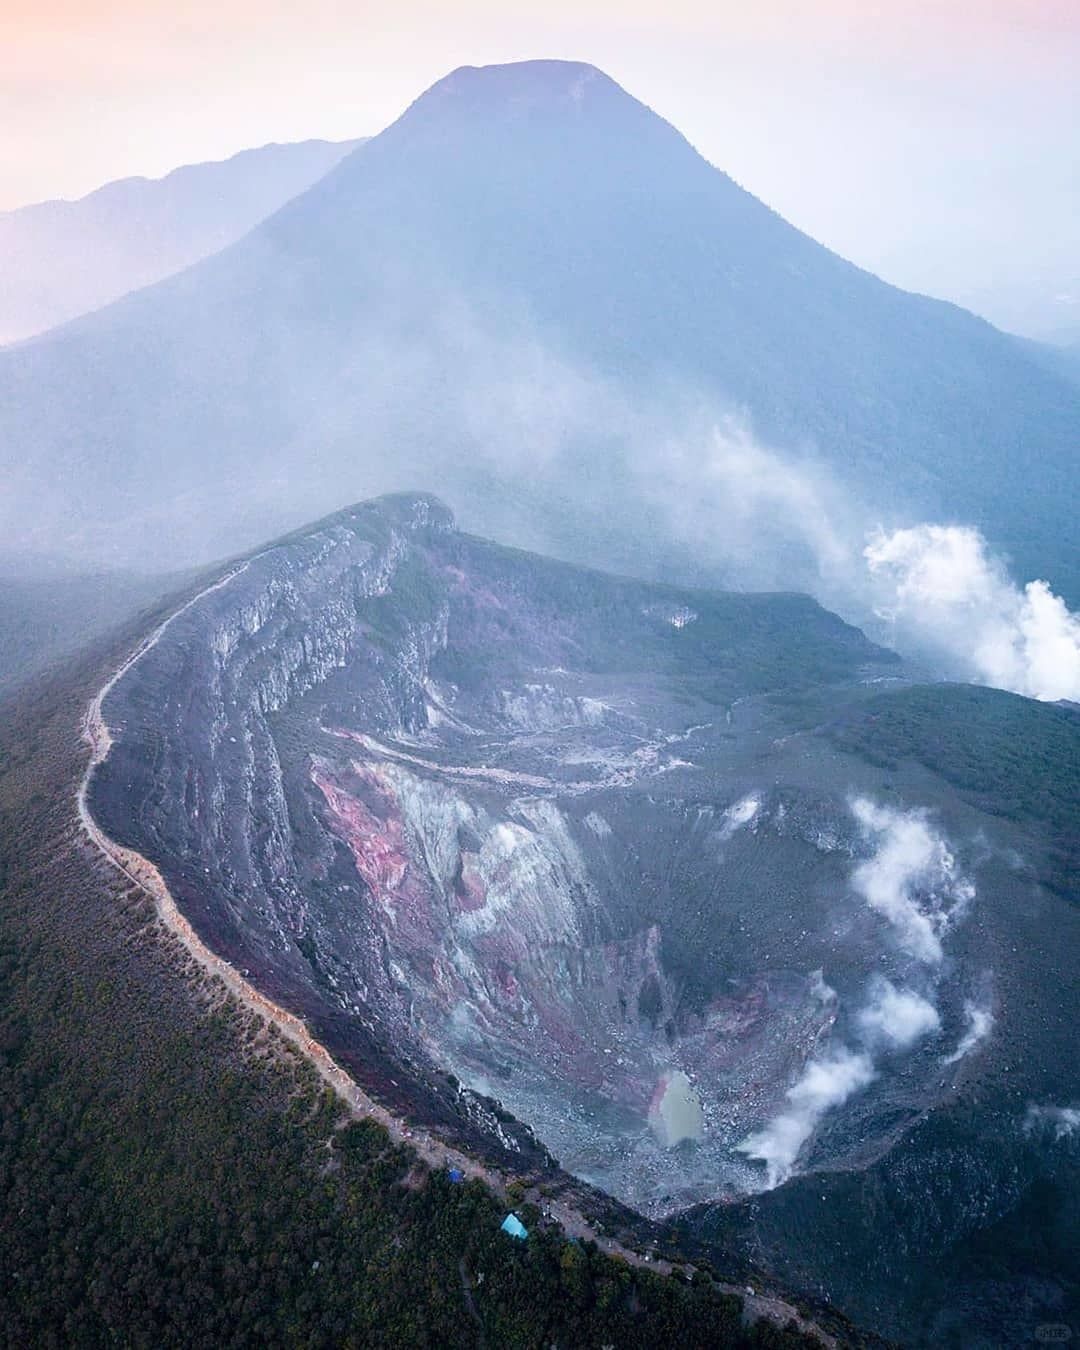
x,y
756,938
172,1174
44,618
501,292
59,259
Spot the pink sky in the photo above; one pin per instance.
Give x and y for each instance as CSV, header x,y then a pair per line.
x,y
866,122
94,91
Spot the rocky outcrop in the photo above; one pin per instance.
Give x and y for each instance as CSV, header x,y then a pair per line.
x,y
551,861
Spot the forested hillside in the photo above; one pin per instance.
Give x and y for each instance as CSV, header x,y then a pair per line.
x,y
170,1173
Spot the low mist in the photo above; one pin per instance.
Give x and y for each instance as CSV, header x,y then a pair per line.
x,y
538,448
700,499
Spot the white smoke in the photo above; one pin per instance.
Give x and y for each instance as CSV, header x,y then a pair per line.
x,y
897,1018
980,1022
944,588
754,517
739,815
912,879
749,517
893,1019
826,1083
775,520
763,492
1063,1120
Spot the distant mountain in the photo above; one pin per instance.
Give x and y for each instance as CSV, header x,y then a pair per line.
x,y
1068,358
1045,307
518,295
46,617
59,259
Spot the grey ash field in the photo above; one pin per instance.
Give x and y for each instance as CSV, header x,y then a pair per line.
x,y
574,867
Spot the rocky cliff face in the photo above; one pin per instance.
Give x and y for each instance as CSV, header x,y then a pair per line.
x,y
196,778
545,859
372,768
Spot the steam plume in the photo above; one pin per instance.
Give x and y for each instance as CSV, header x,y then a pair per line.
x,y
897,1018
980,1022
826,1083
1063,1120
945,588
911,880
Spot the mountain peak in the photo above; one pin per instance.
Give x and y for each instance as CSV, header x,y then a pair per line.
x,y
526,92
548,102
522,81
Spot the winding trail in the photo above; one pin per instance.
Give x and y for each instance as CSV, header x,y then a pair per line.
x,y
142,873
436,1154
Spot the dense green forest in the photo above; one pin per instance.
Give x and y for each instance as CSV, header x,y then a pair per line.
x,y
1007,755
171,1173
50,614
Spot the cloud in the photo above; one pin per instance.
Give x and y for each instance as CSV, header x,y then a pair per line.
x,y
740,814
980,1022
773,520
911,880
826,1082
939,584
897,1018
1063,1120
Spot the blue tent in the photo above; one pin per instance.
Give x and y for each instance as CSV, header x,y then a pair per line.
x,y
456,1174
513,1225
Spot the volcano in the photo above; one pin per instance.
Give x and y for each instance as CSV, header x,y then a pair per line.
x,y
517,294
640,879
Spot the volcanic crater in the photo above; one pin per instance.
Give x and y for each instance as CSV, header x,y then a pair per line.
x,y
532,851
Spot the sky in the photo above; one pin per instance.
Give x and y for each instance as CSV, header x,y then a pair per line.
x,y
934,141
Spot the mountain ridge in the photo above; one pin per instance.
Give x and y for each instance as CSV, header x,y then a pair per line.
x,y
136,230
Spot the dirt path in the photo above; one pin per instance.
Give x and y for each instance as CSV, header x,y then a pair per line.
x,y
470,1304
146,876
143,874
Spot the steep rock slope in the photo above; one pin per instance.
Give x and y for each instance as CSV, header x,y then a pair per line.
x,y
234,772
